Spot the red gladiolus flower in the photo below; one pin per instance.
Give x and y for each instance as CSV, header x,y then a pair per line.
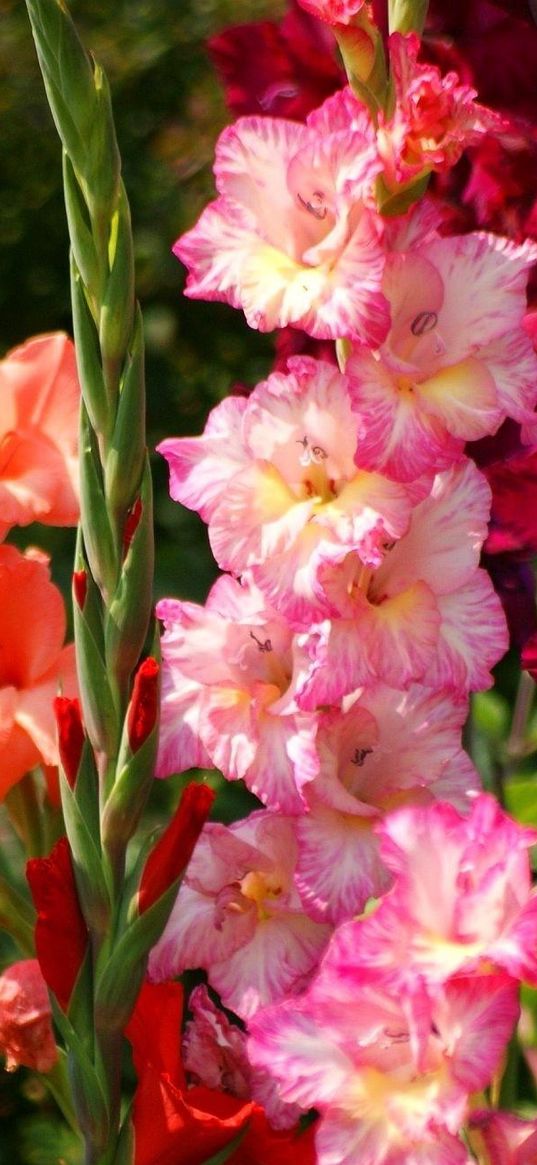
x,y
143,708
61,935
174,848
70,736
178,1125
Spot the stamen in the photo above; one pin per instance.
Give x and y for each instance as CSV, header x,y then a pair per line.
x,y
360,755
262,646
424,322
315,205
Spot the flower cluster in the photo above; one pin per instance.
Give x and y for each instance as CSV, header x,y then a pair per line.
x,y
331,666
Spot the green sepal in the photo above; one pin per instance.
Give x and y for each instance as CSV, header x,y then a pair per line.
x,y
407,15
87,355
371,89
127,618
88,1096
93,891
98,536
117,307
99,712
82,242
67,74
103,162
126,454
17,918
124,1154
119,982
128,796
394,202
229,1149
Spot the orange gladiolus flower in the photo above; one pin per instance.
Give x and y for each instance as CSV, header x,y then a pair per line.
x,y
39,394
34,665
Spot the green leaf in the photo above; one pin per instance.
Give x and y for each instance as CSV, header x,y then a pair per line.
x,y
127,619
229,1149
521,799
98,534
125,458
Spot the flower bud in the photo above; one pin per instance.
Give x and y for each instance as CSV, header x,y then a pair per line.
x,y
174,848
131,524
143,707
80,587
70,736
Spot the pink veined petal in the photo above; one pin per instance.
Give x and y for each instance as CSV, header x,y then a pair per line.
x,y
396,436
339,113
512,362
201,467
284,760
229,730
447,531
277,961
344,1141
251,162
286,1040
401,635
475,1018
473,636
258,517
463,396
181,711
191,939
484,288
215,250
339,866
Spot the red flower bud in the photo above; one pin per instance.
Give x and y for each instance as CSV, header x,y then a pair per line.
x,y
131,523
80,587
143,707
70,735
174,848
61,935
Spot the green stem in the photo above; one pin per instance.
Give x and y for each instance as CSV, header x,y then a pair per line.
x,y
57,1082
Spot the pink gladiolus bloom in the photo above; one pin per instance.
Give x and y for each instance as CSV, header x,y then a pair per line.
x,y
239,916
33,664
333,11
214,1054
290,238
462,899
275,478
26,1035
228,698
501,1138
434,120
388,749
390,1070
457,360
425,614
39,434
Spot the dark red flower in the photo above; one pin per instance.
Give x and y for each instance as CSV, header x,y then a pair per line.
x,y
61,936
176,1125
143,707
284,69
174,848
70,735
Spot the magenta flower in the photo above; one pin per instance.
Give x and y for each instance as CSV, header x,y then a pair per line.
x,y
390,1070
387,749
462,901
239,916
457,360
228,695
291,238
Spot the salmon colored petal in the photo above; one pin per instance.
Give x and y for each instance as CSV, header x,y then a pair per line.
x,y
32,619
35,707
18,754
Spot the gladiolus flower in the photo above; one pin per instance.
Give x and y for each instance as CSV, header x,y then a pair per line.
x,y
501,1138
333,11
179,1125
61,936
434,120
33,664
26,1035
291,239
39,434
238,915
